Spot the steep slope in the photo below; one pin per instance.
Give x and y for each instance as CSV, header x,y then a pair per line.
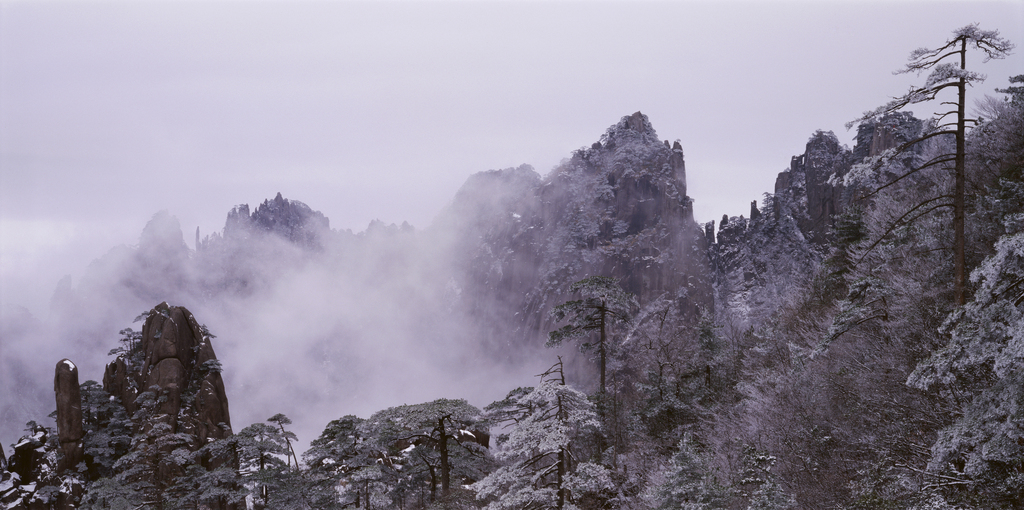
x,y
162,400
475,288
758,260
618,208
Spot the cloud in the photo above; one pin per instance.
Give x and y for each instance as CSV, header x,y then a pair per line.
x,y
348,324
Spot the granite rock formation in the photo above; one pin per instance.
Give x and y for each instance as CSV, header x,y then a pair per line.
x,y
890,131
173,364
31,481
70,430
617,208
755,259
812,189
29,460
254,246
290,219
805,191
179,365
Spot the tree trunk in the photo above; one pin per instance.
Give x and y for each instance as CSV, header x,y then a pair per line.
x,y
959,241
601,346
561,475
433,483
561,415
291,451
443,449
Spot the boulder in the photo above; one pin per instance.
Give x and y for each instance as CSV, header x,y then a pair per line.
x,y
29,456
119,382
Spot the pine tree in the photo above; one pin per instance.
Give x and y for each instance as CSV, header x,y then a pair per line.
x,y
282,420
260,447
943,75
435,435
334,458
689,484
766,493
604,305
540,467
982,451
108,430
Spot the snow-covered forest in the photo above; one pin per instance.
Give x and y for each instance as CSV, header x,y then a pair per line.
x,y
855,341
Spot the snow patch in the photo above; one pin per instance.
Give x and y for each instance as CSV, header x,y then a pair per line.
x,y
8,484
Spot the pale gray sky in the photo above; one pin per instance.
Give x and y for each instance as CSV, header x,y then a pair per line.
x,y
112,111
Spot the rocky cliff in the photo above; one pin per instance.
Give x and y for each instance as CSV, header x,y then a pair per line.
x,y
289,219
617,208
804,191
179,367
758,259
166,379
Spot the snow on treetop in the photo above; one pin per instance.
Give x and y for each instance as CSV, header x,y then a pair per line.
x,y
631,127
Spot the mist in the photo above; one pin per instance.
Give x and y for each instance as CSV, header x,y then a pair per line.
x,y
126,126
343,323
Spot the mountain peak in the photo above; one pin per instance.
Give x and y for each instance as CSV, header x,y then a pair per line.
x,y
638,122
635,128
290,219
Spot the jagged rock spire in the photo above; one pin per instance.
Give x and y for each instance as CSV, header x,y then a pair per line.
x,y
69,414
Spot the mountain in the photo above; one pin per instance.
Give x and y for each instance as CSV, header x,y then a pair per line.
x,y
289,219
318,322
758,259
476,286
618,208
824,352
162,400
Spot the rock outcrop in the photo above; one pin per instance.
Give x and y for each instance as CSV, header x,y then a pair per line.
x,y
179,366
169,382
805,192
31,480
756,258
756,261
70,430
255,246
28,461
289,219
890,131
617,208
811,190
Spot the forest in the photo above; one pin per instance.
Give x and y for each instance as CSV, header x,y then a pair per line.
x,y
867,355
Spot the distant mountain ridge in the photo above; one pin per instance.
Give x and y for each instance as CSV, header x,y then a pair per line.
x,y
290,219
478,284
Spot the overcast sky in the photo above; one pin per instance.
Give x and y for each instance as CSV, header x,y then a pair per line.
x,y
110,112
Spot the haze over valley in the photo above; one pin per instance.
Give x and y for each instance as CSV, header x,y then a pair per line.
x,y
416,255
